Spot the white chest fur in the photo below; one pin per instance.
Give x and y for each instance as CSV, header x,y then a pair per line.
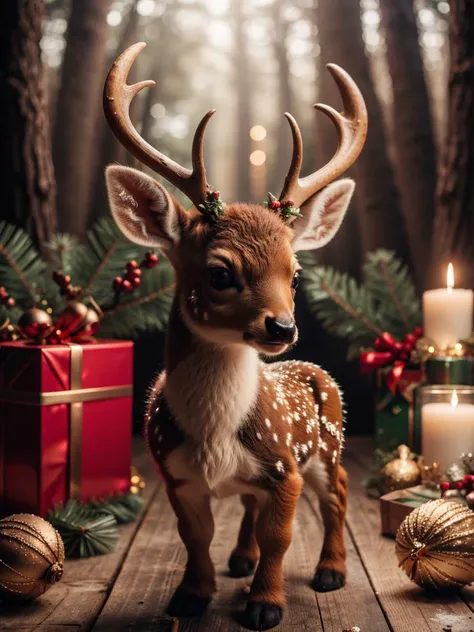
x,y
210,394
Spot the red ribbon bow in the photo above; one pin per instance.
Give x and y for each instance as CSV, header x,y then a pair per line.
x,y
388,351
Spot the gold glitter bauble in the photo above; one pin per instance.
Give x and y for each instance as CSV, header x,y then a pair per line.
x,y
31,557
435,545
399,473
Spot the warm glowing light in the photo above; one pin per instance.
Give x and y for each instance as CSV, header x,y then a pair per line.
x,y
431,349
258,157
258,132
145,7
114,18
450,277
454,400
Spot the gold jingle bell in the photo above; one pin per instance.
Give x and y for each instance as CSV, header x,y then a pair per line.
x,y
399,473
31,321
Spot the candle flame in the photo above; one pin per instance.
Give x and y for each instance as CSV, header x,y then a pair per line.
x,y
450,277
454,399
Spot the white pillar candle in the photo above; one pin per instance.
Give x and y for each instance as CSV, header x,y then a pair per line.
x,y
447,430
447,313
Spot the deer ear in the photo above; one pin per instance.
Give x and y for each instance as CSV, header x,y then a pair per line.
x,y
322,215
144,211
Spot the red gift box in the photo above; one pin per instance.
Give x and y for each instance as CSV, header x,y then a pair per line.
x,y
65,423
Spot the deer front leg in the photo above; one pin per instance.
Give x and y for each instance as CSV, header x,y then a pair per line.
x,y
274,530
331,570
196,528
245,556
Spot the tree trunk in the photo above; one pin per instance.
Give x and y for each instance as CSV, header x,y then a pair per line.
x,y
413,139
380,221
78,108
242,90
454,220
27,187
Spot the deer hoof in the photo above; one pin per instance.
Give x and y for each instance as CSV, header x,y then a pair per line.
x,y
327,579
240,566
261,616
183,604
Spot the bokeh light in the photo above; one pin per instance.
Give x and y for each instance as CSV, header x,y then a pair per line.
x,y
258,158
258,132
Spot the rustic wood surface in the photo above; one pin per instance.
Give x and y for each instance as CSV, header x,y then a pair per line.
x,y
127,591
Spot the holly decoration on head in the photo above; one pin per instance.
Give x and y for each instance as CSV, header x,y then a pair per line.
x,y
285,209
213,207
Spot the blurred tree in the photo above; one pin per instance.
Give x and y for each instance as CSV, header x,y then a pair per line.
x,y
285,94
454,218
110,149
77,110
243,111
341,41
413,138
27,187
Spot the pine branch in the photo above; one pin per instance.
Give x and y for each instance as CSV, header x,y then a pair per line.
x,y
16,269
98,271
350,310
392,291
141,300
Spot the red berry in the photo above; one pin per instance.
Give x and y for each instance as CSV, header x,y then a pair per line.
x,y
418,332
11,302
151,260
65,280
127,286
132,265
290,203
216,195
117,284
444,487
275,204
136,281
3,293
460,484
469,480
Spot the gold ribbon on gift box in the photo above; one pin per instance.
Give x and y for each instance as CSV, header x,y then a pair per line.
x,y
75,396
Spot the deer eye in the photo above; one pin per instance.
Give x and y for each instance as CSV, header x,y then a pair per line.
x,y
294,282
220,278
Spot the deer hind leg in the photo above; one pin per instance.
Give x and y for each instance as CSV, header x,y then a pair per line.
x,y
196,528
331,569
245,556
273,530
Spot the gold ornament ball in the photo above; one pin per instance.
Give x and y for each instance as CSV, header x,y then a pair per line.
x,y
31,557
399,473
435,545
29,321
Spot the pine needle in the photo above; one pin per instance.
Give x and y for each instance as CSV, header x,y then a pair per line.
x,y
123,508
85,531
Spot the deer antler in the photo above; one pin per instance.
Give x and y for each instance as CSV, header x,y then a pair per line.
x,y
118,96
351,127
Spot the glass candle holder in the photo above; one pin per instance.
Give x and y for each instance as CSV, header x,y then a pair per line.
x,y
447,423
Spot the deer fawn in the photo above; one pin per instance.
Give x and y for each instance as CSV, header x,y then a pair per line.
x,y
220,421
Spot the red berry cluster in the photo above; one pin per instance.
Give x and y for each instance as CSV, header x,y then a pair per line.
x,y
216,194
466,484
275,204
6,299
133,274
66,288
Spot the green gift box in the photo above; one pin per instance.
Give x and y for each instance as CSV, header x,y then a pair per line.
x,y
397,418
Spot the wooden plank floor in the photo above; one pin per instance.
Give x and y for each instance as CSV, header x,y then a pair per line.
x,y
127,591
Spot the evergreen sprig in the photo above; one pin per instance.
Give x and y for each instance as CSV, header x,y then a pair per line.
x,y
385,301
85,531
390,283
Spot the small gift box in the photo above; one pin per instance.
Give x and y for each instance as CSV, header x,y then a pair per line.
x,y
65,423
397,417
396,506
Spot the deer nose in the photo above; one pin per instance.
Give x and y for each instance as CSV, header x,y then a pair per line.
x,y
280,329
